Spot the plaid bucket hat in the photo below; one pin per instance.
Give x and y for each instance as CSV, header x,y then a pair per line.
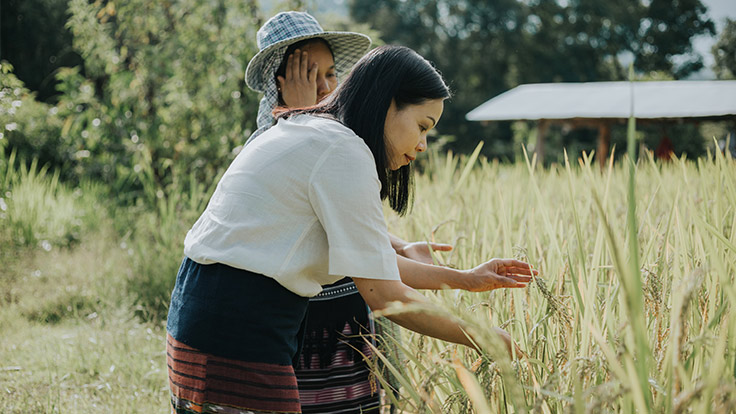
x,y
287,28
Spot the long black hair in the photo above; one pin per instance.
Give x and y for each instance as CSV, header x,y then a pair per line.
x,y
362,101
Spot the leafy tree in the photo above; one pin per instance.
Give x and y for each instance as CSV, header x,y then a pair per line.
x,y
469,41
33,38
666,30
163,93
724,52
28,127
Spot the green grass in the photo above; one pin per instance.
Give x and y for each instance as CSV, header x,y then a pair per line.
x,y
81,316
71,340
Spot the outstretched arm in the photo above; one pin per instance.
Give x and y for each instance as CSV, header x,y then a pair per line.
x,y
494,274
379,294
420,273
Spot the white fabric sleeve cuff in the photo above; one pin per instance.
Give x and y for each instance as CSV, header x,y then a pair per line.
x,y
372,265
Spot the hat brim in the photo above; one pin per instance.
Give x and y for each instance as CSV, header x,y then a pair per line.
x,y
347,49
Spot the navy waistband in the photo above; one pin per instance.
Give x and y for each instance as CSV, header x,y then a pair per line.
x,y
343,287
234,313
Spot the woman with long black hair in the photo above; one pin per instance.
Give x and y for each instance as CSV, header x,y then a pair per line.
x,y
298,65
299,208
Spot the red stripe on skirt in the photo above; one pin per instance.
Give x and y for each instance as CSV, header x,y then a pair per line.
x,y
207,381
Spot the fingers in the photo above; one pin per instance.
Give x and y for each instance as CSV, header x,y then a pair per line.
x,y
520,271
312,76
298,68
520,278
515,263
515,282
297,65
304,65
511,346
518,267
440,247
290,66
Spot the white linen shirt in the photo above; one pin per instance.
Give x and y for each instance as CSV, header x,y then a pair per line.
x,y
300,204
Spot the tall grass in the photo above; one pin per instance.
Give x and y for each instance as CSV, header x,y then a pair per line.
x,y
606,327
35,209
632,310
154,230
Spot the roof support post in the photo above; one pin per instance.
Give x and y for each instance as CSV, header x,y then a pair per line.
x,y
542,127
604,141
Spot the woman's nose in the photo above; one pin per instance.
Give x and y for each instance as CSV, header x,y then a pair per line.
x,y
422,145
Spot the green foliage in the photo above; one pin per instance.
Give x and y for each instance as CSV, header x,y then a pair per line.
x,y
336,22
29,127
36,42
667,30
99,362
469,42
154,237
78,303
724,52
36,210
164,89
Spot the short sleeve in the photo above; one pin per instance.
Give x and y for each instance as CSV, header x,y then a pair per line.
x,y
345,195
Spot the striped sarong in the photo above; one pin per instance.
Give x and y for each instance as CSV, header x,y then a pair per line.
x,y
233,340
204,383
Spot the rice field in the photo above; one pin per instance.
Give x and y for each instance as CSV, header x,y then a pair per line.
x,y
632,310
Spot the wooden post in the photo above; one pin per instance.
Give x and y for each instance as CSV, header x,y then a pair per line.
x,y
542,126
604,140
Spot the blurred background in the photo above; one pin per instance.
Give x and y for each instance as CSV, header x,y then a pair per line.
x,y
112,88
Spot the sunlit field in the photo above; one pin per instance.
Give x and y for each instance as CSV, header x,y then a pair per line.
x,y
630,313
604,328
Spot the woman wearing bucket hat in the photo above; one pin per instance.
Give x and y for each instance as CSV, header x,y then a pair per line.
x,y
282,223
298,65
283,33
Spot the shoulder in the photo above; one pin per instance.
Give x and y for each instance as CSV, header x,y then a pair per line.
x,y
324,126
345,149
316,141
336,140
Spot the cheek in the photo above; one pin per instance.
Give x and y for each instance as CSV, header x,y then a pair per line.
x,y
408,137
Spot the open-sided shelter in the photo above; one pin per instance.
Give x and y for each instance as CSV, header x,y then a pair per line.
x,y
600,104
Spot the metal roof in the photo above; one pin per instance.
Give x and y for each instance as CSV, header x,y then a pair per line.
x,y
652,99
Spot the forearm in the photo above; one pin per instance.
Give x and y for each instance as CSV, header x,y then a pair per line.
x,y
433,325
424,276
381,295
449,329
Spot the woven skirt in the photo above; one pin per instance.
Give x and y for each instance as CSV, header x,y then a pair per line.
x,y
333,374
233,340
